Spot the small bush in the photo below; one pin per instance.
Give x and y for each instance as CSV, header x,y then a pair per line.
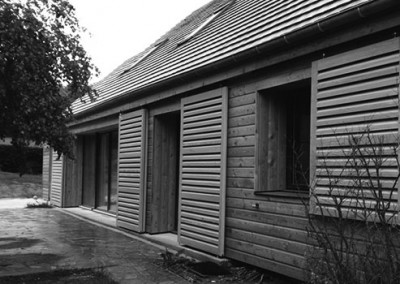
x,y
38,203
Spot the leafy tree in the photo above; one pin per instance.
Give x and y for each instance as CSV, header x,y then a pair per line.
x,y
43,69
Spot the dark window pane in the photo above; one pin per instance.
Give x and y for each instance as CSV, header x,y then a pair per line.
x,y
102,171
114,172
298,141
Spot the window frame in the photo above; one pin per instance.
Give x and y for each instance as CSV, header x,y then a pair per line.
x,y
262,185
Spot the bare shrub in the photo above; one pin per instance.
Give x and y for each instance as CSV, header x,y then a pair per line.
x,y
352,229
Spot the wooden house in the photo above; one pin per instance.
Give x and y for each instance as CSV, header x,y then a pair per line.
x,y
191,136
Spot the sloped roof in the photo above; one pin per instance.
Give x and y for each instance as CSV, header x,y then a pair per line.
x,y
242,25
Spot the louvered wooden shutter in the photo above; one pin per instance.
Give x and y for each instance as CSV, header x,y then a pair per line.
x,y
56,179
203,167
355,94
132,170
46,172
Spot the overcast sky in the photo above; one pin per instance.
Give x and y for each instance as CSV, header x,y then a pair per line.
x,y
122,28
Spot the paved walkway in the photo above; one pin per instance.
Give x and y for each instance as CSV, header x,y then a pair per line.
x,y
37,240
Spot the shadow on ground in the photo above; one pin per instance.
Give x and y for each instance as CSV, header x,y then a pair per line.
x,y
20,243
27,259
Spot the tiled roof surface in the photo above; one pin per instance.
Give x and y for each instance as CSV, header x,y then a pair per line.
x,y
243,25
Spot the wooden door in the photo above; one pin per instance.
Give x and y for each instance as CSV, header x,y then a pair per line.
x,y
165,173
202,172
132,170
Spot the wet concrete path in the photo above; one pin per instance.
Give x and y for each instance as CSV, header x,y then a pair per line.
x,y
38,240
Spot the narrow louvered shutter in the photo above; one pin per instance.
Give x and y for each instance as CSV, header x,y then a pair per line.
x,y
46,172
132,170
355,95
203,167
56,179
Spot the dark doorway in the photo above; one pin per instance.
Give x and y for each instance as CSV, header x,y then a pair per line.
x,y
99,171
89,171
164,206
107,161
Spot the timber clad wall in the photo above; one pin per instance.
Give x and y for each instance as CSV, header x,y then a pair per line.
x,y
56,180
273,235
356,93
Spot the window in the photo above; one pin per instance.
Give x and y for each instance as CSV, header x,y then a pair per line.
x,y
216,13
143,56
283,145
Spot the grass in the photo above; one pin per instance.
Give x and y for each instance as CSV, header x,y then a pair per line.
x,y
14,186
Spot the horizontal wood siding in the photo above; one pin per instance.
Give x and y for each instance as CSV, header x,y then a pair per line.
x,y
202,176
46,172
356,94
132,170
264,231
56,179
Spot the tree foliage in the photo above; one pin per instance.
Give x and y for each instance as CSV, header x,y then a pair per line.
x,y
43,69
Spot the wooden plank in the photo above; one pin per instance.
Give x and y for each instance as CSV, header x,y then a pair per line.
x,y
241,131
359,128
190,241
246,99
369,74
241,121
241,172
363,53
278,208
267,241
241,162
241,141
242,110
358,118
267,252
348,69
241,182
196,230
254,215
373,89
277,76
273,230
371,107
271,265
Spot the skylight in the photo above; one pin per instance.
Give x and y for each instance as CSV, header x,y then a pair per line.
x,y
205,23
143,57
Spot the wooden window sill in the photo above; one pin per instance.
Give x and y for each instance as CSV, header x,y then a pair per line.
x,y
284,193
